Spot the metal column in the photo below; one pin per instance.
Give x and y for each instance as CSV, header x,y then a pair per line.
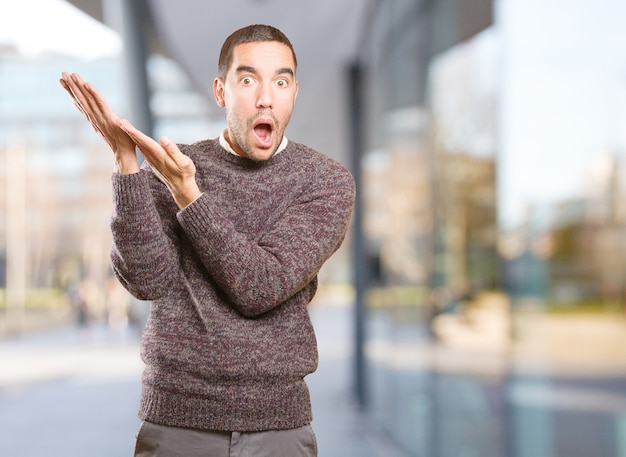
x,y
129,18
360,261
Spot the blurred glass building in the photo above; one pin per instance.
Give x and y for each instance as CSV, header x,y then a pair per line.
x,y
55,203
493,196
54,209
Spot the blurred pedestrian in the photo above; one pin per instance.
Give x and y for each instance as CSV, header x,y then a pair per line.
x,y
225,237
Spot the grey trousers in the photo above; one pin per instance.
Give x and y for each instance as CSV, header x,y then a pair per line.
x,y
155,440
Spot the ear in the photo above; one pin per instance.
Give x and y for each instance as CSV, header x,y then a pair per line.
x,y
218,92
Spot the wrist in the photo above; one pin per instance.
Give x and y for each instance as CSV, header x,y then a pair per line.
x,y
187,195
126,165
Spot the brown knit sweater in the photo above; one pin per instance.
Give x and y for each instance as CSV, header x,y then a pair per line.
x,y
229,340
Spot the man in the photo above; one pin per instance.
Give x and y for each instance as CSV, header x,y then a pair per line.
x,y
225,237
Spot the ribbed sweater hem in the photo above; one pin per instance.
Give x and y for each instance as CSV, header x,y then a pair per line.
x,y
278,406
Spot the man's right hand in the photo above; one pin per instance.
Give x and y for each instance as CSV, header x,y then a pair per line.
x,y
104,121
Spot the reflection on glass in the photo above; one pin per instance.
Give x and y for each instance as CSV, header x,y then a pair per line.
x,y
497,310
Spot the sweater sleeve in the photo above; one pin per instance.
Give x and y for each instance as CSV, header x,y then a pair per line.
x,y
258,275
143,255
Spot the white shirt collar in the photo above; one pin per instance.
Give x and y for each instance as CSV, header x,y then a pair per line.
x,y
227,146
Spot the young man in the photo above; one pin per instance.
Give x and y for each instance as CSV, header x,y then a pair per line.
x,y
225,237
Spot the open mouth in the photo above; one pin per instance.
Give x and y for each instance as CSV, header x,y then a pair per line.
x,y
263,131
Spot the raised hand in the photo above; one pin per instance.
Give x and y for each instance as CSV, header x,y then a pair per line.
x,y
104,121
176,170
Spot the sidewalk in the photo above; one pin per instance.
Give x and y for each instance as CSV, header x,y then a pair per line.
x,y
342,431
73,392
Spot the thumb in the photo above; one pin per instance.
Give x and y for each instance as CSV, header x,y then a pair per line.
x,y
169,146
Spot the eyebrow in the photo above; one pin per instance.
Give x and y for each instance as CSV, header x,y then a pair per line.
x,y
248,69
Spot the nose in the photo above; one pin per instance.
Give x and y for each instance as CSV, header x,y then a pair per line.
x,y
264,96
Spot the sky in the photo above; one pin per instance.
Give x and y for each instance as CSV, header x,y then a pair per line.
x,y
563,100
36,27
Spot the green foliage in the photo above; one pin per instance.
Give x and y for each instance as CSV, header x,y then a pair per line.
x,y
44,298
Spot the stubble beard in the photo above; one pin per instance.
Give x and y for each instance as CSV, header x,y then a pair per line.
x,y
238,128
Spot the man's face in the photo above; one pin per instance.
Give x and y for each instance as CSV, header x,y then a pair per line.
x,y
258,93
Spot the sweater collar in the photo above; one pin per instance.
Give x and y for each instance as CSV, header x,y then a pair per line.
x,y
227,146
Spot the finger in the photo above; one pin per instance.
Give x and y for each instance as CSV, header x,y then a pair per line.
x,y
72,84
87,97
69,86
170,147
140,138
66,87
152,151
97,100
91,122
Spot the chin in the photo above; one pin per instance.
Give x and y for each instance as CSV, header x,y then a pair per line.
x,y
261,156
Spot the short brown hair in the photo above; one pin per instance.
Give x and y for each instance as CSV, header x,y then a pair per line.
x,y
250,34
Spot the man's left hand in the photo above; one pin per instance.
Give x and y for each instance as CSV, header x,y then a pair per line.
x,y
175,169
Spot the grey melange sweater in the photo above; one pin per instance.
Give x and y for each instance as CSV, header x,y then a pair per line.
x,y
229,341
